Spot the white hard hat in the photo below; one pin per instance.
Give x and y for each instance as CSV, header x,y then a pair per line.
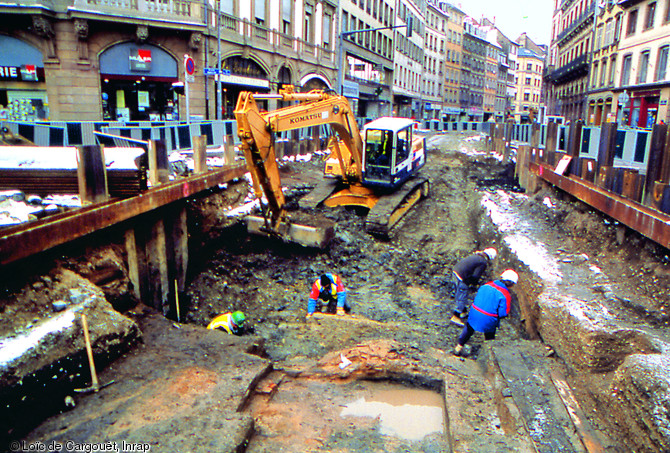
x,y
510,276
491,253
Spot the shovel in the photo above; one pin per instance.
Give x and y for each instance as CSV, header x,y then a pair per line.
x,y
95,385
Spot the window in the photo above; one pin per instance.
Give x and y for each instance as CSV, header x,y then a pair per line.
x,y
603,72
617,27
527,80
644,64
662,63
599,38
595,74
307,31
609,33
259,11
526,96
632,22
286,17
625,69
327,21
529,67
651,11
612,70
666,17
228,7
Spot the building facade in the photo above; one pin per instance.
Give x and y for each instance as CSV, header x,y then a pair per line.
x,y
528,85
601,106
81,60
572,37
408,59
473,70
642,64
368,55
433,91
451,109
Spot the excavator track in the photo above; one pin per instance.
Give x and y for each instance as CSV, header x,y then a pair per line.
x,y
392,207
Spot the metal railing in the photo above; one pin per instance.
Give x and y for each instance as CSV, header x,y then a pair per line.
x,y
177,10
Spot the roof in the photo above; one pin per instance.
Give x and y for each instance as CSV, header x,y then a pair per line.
x,y
525,53
390,123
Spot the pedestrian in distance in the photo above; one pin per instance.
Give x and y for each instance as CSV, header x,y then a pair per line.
x,y
492,303
328,295
467,273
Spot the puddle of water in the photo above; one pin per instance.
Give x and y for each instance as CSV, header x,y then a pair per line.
x,y
407,413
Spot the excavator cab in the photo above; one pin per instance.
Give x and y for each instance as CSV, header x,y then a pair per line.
x,y
391,155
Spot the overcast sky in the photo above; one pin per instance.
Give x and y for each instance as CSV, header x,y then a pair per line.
x,y
513,17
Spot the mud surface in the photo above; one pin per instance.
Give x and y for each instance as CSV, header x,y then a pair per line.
x,y
400,291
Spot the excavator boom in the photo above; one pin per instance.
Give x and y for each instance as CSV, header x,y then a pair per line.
x,y
385,158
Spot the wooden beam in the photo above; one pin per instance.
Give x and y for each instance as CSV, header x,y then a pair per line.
x,y
647,221
200,153
92,174
28,239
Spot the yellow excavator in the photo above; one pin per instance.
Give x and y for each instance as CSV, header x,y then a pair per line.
x,y
376,169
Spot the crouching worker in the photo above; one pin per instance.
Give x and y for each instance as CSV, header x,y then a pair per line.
x,y
233,323
329,289
492,302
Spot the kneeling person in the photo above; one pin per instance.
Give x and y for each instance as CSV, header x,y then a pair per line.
x,y
329,289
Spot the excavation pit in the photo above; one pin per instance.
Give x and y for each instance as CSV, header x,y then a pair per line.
x,y
359,415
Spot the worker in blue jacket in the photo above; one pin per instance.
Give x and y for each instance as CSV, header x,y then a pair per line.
x,y
492,302
467,273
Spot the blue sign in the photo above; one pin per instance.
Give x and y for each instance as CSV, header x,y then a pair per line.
x,y
211,71
225,72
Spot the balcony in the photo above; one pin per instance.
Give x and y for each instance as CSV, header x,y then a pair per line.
x,y
29,5
164,11
577,25
578,67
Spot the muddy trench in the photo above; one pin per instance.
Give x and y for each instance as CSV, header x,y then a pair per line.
x,y
354,383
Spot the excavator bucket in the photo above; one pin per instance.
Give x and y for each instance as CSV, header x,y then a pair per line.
x,y
308,236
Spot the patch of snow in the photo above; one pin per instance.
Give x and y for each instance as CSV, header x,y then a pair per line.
x,y
547,202
532,253
13,348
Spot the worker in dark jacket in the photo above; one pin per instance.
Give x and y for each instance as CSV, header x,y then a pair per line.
x,y
467,273
329,289
492,302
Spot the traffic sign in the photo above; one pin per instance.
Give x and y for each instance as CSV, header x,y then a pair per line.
x,y
190,78
225,72
189,65
211,71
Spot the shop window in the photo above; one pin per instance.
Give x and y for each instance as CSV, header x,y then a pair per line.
x,y
662,63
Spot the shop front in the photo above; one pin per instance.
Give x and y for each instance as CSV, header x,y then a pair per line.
x,y
641,109
23,95
241,74
137,83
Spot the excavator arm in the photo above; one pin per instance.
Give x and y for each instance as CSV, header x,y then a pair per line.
x,y
257,130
